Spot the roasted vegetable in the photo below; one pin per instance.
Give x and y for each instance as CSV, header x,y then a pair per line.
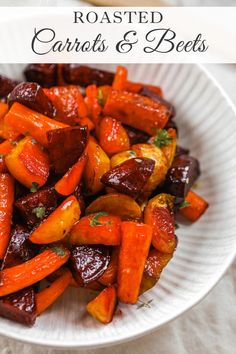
x,y
103,306
130,176
32,271
35,207
181,176
135,243
109,277
88,263
99,228
6,207
19,307
112,136
136,136
155,96
111,203
137,111
44,74
31,95
194,206
58,224
84,75
5,148
28,163
73,140
120,78
159,214
26,121
6,86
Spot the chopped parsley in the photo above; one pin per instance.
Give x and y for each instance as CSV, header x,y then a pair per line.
x,y
132,152
39,212
95,222
58,250
34,187
162,138
143,304
14,142
33,141
184,204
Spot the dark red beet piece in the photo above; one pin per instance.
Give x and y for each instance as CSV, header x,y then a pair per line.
x,y
6,86
65,146
19,249
31,94
181,176
44,74
84,75
157,98
20,306
181,151
136,136
45,198
79,195
130,176
89,262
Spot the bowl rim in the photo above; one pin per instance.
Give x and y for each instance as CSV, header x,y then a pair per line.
x,y
150,328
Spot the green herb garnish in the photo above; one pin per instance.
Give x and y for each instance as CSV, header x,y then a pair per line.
x,y
14,142
34,187
100,97
132,152
33,141
184,204
58,250
95,222
39,212
162,138
143,304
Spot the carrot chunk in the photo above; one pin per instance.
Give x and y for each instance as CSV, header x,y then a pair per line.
x,y
49,295
6,207
197,206
32,271
99,228
103,306
120,78
23,120
135,244
58,224
28,163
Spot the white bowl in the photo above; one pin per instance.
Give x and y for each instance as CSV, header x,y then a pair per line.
x,y
207,125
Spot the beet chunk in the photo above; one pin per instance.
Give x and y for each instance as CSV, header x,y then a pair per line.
x,y
19,249
136,136
181,151
65,146
130,176
84,75
31,95
44,74
20,306
89,262
6,86
36,206
181,176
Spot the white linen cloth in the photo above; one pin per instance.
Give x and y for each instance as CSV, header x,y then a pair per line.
x,y
208,328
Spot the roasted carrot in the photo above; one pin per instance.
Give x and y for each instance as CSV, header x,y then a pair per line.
x,y
28,163
103,306
32,271
49,295
5,147
136,87
195,207
138,111
3,109
112,136
169,150
6,207
86,121
67,184
91,99
120,78
58,224
23,120
6,132
99,228
135,244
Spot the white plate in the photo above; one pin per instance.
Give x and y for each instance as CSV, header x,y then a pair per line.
x,y
207,125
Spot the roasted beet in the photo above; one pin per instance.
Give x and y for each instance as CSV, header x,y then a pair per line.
x,y
36,206
84,75
44,74
19,249
181,151
65,146
136,136
130,176
6,86
31,95
171,124
20,306
89,262
181,176
157,98
79,195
